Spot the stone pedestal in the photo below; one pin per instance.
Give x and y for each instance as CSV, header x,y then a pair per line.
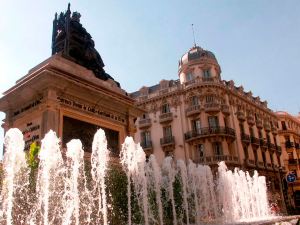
x,y
58,89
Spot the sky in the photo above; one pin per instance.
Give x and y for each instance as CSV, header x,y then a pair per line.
x,y
257,42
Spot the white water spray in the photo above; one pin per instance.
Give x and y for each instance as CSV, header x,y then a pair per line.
x,y
133,160
100,157
14,164
63,196
72,199
168,182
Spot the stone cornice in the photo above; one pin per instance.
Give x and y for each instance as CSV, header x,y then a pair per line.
x,y
181,90
286,115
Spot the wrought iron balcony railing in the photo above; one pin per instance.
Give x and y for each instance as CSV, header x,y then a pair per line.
x,y
245,138
254,141
194,109
229,159
168,140
143,123
146,144
209,131
165,117
289,144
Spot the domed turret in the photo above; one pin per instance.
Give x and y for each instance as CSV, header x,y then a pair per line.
x,y
196,53
198,63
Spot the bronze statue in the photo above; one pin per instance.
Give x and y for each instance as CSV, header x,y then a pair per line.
x,y
71,39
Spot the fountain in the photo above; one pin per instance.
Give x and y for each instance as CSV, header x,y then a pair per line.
x,y
69,190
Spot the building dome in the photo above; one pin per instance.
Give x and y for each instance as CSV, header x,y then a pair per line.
x,y
197,53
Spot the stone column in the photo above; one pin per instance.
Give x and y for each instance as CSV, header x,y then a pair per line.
x,y
50,116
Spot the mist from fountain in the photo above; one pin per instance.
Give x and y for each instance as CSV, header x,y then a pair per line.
x,y
173,193
133,160
15,178
49,183
99,161
154,178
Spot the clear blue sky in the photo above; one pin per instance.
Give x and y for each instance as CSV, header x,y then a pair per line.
x,y
257,42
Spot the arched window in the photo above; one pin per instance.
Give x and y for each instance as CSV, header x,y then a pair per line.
x,y
206,74
165,108
189,76
194,101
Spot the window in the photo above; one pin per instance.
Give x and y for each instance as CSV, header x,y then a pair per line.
x,y
194,101
167,131
199,150
189,76
242,128
283,125
287,138
246,152
251,131
145,116
209,98
264,157
213,121
225,121
165,108
145,137
268,138
260,134
274,139
196,126
206,74
217,148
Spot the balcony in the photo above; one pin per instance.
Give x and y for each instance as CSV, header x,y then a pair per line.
x,y
207,79
208,132
279,149
260,165
245,138
271,146
228,159
143,98
263,143
190,82
147,147
200,160
144,123
283,169
250,163
274,130
165,117
241,115
167,141
259,123
269,166
163,91
276,168
293,162
250,120
267,126
212,108
255,141
289,144
225,109
192,110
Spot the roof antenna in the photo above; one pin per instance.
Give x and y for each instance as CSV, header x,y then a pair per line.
x,y
194,35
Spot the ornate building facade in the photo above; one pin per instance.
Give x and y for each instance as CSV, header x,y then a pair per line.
x,y
289,135
206,119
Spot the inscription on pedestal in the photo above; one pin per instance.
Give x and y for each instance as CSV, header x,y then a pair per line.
x,y
91,109
31,132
